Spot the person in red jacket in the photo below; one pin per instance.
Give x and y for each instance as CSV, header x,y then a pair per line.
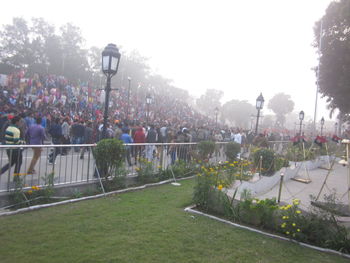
x,y
139,137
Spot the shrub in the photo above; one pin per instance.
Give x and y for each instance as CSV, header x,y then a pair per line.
x,y
232,150
109,155
267,157
146,173
208,182
295,153
270,162
206,149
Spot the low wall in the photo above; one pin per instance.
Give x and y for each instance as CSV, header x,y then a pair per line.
x,y
266,183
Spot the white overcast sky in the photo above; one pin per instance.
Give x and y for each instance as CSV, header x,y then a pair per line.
x,y
240,47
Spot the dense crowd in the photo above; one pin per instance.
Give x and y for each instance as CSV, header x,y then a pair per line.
x,y
55,100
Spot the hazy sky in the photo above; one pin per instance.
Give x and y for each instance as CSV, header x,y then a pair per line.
x,y
241,47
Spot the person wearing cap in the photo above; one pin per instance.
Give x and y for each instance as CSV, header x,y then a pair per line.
x,y
13,137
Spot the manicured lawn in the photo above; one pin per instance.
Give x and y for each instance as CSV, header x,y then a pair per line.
x,y
143,226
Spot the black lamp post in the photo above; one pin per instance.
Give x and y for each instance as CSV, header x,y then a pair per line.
x,y
148,102
301,118
322,123
128,106
216,111
110,64
259,105
336,128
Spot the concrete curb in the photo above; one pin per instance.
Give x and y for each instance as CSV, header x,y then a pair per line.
x,y
191,210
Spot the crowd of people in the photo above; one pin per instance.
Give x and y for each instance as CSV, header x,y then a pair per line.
x,y
50,108
44,108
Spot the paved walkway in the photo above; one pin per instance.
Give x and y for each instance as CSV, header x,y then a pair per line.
x,y
337,181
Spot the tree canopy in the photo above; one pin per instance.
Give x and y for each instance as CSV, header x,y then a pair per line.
x,y
238,112
209,101
334,48
38,47
281,104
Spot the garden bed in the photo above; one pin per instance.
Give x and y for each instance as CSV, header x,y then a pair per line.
x,y
194,210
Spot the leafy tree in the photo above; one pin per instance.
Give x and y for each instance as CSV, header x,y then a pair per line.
x,y
75,62
334,66
209,101
238,112
281,104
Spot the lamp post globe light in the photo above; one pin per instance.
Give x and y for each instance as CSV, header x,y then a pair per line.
x,y
322,123
301,118
128,106
110,64
259,105
216,111
148,102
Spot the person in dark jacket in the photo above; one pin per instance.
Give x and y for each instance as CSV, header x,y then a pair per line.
x,y
88,138
150,138
56,134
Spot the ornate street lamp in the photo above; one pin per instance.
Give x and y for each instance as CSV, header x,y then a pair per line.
x,y
128,106
216,111
110,64
301,118
322,123
148,102
259,105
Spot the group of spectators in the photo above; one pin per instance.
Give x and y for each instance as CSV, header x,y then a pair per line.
x,y
44,108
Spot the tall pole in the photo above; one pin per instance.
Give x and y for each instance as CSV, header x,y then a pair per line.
x,y
216,120
257,122
147,114
301,123
318,77
105,116
321,129
127,108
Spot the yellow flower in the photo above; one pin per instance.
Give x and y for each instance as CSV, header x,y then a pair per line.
x,y
287,232
231,164
298,212
298,230
159,166
220,187
294,224
283,225
296,201
285,217
199,174
30,192
137,169
281,208
35,188
226,161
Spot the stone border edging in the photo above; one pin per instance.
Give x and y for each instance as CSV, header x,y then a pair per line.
x,y
191,210
36,207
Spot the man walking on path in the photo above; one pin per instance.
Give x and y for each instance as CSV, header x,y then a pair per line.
x,y
35,136
13,137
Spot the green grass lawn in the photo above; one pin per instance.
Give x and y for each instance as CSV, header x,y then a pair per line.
x,y
143,226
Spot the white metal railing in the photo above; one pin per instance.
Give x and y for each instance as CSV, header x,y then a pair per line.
x,y
75,163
